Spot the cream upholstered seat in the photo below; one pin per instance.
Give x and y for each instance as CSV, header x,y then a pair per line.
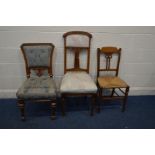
x,y
78,82
111,82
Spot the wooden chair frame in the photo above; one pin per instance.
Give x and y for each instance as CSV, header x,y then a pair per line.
x,y
109,52
39,71
77,51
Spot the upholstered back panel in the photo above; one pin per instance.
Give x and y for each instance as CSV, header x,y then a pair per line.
x,y
77,41
37,55
38,58
77,50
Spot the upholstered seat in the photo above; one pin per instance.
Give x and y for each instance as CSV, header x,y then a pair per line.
x,y
39,85
37,88
77,82
111,82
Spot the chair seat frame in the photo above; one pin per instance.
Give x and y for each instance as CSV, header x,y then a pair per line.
x,y
76,51
108,52
39,71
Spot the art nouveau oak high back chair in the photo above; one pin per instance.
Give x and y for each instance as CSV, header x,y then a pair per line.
x,y
77,81
39,85
109,81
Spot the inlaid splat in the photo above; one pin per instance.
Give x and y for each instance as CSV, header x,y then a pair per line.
x,y
117,88
108,59
108,52
77,49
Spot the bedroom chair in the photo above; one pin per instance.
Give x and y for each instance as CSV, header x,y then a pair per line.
x,y
76,80
39,85
108,81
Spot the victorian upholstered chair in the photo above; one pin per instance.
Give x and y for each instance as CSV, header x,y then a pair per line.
x,y
76,80
108,60
39,85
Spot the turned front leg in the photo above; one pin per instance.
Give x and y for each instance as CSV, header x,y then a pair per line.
x,y
53,110
21,106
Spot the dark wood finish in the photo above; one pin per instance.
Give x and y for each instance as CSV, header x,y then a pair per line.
x,y
53,110
125,99
39,71
92,106
21,106
77,50
63,104
108,52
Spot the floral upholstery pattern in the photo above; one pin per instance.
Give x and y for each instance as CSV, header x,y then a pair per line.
x,y
37,55
37,88
77,82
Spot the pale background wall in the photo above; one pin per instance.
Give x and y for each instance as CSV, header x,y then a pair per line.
x,y
137,62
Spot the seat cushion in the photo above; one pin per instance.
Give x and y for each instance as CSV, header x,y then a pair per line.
x,y
111,82
77,82
37,88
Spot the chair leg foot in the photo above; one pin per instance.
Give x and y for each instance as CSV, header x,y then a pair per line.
x,y
63,106
98,110
21,106
99,100
125,99
53,117
93,105
112,93
53,110
123,109
92,109
124,105
23,118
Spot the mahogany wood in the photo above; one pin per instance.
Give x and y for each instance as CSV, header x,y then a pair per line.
x,y
39,71
77,50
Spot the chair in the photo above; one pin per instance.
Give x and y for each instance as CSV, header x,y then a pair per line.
x,y
76,80
39,85
109,81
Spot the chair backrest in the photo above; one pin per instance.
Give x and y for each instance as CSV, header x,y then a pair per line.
x,y
77,42
109,53
38,58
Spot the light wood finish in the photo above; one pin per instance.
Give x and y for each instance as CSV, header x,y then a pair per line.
x,y
111,82
77,50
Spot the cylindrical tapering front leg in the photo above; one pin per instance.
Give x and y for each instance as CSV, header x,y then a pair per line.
x,y
125,99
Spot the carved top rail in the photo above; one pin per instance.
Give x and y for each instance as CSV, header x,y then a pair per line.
x,y
108,53
77,45
38,58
